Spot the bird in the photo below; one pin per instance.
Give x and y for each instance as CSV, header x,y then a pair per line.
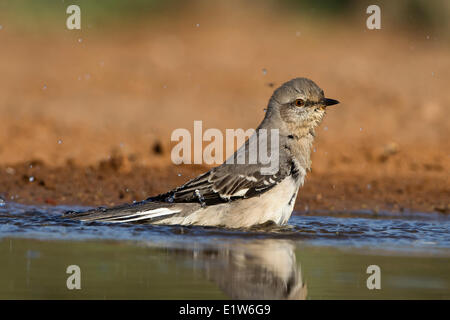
x,y
258,269
241,195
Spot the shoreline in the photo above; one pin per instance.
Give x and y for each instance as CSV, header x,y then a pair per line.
x,y
116,182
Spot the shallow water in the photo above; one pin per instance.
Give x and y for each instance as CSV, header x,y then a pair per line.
x,y
315,257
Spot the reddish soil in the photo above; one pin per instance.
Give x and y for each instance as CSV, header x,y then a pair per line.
x,y
113,182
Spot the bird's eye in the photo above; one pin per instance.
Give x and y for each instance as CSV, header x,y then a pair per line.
x,y
299,103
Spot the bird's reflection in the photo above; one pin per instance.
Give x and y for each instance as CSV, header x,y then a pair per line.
x,y
258,269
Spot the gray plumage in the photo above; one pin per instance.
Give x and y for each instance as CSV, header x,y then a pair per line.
x,y
241,195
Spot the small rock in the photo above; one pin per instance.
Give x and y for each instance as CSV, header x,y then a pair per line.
x,y
157,148
388,151
443,208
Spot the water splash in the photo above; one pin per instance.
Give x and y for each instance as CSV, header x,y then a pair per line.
x,y
398,232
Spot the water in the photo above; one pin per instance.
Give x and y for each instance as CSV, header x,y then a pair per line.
x,y
315,257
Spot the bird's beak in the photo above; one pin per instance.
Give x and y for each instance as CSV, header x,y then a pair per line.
x,y
329,102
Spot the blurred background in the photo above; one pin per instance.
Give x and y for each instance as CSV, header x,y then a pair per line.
x,y
137,70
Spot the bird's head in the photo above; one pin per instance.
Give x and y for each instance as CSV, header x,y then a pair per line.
x,y
300,104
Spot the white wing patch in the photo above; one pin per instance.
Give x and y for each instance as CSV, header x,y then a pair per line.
x,y
249,178
240,193
142,215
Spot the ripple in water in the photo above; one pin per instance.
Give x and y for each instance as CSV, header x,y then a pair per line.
x,y
386,231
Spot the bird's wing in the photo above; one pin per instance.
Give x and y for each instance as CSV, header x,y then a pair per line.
x,y
223,184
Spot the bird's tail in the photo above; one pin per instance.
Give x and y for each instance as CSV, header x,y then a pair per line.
x,y
140,212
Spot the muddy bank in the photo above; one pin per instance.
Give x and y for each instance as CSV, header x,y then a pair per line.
x,y
117,181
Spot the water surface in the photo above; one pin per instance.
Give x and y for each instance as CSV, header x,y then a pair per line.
x,y
315,257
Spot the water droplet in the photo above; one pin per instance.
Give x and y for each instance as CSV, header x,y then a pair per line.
x,y
179,174
197,25
264,71
326,128
31,166
369,187
314,149
44,87
360,129
59,141
31,179
432,74
31,254
80,40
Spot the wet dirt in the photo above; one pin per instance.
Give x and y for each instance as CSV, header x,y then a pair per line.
x,y
112,182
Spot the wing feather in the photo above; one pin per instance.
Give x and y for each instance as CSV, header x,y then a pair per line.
x,y
223,184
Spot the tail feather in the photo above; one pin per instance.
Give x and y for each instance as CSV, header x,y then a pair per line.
x,y
137,212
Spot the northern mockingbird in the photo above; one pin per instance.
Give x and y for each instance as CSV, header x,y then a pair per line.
x,y
236,195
